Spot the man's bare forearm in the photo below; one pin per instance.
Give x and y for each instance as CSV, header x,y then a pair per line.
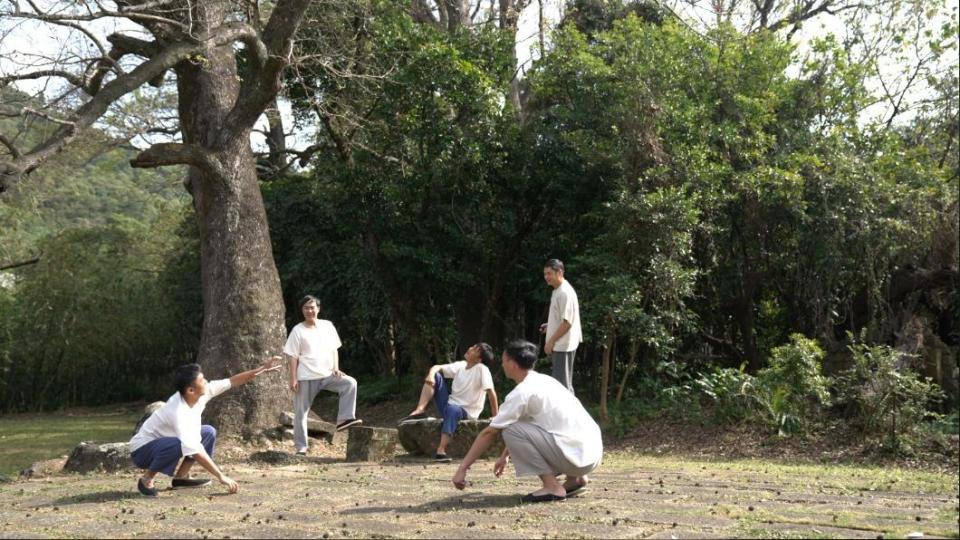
x,y
204,460
480,445
561,331
494,404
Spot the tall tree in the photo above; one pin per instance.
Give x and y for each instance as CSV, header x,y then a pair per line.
x,y
217,107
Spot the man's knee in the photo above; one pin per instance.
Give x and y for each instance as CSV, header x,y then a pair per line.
x,y
513,432
207,430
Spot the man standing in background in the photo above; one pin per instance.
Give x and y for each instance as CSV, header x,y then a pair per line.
x,y
562,328
312,349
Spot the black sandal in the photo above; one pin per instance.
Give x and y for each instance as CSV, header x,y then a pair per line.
x,y
546,497
144,490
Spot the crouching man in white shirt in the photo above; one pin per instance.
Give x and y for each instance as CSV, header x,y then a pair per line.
x,y
174,431
545,430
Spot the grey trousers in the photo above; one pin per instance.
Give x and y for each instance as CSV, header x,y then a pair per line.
x,y
344,385
563,368
534,452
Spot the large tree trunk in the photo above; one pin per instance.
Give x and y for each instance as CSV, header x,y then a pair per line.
x,y
243,306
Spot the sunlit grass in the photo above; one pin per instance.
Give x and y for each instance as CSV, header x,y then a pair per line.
x,y
27,438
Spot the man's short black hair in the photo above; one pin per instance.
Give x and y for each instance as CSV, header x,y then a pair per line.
x,y
486,353
185,376
522,352
554,264
307,298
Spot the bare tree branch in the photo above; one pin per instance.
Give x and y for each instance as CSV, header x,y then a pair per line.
x,y
258,90
18,264
10,146
163,154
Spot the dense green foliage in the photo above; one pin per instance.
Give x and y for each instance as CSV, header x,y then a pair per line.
x,y
105,312
727,213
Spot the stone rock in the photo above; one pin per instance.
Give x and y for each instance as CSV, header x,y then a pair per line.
x,y
90,456
316,427
420,437
371,444
147,411
43,468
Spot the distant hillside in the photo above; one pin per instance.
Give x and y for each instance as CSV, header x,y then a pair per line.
x,y
91,183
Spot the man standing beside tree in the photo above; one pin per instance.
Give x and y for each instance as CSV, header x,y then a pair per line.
x,y
312,348
562,328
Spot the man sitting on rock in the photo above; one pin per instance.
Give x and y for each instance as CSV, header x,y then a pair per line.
x,y
174,430
472,382
545,429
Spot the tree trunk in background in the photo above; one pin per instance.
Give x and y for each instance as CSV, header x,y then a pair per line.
x,y
243,306
605,377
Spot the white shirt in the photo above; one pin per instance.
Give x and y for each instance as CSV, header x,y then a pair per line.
x,y
564,306
314,348
470,385
544,402
177,419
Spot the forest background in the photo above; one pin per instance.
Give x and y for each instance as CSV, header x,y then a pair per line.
x,y
750,239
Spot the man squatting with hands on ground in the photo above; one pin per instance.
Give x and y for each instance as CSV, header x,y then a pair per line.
x,y
545,430
175,431
472,382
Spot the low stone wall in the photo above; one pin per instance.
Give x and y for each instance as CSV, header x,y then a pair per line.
x,y
371,444
420,437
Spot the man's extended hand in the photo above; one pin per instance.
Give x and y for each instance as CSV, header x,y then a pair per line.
x,y
294,385
500,465
271,364
548,348
460,479
232,485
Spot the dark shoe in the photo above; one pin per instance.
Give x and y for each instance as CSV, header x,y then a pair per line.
x,y
348,423
576,490
442,458
546,497
189,482
144,490
409,417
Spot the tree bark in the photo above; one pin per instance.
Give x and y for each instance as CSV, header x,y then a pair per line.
x,y
243,308
605,377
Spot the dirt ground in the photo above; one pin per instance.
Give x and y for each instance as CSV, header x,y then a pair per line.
x,y
632,495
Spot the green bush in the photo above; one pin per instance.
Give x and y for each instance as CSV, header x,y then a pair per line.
x,y
792,390
730,391
786,396
91,323
884,398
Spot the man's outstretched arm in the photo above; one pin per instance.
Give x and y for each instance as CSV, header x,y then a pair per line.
x,y
271,364
204,460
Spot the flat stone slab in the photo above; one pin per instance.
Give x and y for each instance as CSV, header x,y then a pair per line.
x,y
316,427
371,443
420,437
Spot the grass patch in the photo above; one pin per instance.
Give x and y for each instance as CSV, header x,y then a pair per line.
x,y
835,478
27,438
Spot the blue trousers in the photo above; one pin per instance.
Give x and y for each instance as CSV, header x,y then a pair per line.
x,y
163,454
452,414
